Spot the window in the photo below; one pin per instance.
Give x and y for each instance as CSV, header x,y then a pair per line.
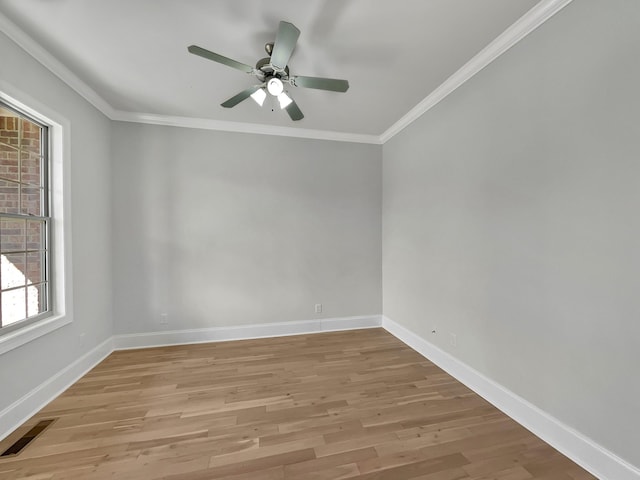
x,y
25,222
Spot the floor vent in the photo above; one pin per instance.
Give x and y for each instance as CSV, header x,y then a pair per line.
x,y
27,438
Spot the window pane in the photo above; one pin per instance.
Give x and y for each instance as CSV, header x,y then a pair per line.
x,y
14,267
24,187
9,197
35,235
30,169
12,234
36,299
8,161
13,306
30,136
35,267
31,200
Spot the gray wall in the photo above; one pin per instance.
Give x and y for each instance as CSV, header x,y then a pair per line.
x,y
220,229
25,368
510,218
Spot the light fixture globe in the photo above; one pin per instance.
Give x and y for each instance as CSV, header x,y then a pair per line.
x,y
275,86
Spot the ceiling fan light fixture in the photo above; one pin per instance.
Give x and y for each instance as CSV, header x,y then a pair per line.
x,y
275,86
285,100
259,96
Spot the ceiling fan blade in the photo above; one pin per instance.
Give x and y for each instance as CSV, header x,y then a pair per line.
x,y
243,95
286,40
294,111
219,58
331,84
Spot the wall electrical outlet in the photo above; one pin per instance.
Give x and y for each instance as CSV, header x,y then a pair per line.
x,y
318,308
453,339
164,318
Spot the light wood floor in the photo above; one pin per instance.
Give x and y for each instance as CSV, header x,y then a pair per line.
x,y
357,404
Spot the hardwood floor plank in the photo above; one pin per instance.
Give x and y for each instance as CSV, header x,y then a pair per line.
x,y
322,466
341,405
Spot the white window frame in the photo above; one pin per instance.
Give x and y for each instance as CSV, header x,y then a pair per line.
x,y
61,298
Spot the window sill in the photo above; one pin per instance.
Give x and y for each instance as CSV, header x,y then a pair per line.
x,y
29,333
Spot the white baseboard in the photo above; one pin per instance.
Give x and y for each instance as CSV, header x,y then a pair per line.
x,y
579,448
243,332
24,408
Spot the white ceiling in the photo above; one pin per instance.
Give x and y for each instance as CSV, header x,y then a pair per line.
x,y
133,54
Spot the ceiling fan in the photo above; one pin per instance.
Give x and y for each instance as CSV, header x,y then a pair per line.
x,y
273,73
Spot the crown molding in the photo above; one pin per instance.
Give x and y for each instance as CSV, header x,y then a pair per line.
x,y
33,48
52,64
238,127
531,20
526,24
